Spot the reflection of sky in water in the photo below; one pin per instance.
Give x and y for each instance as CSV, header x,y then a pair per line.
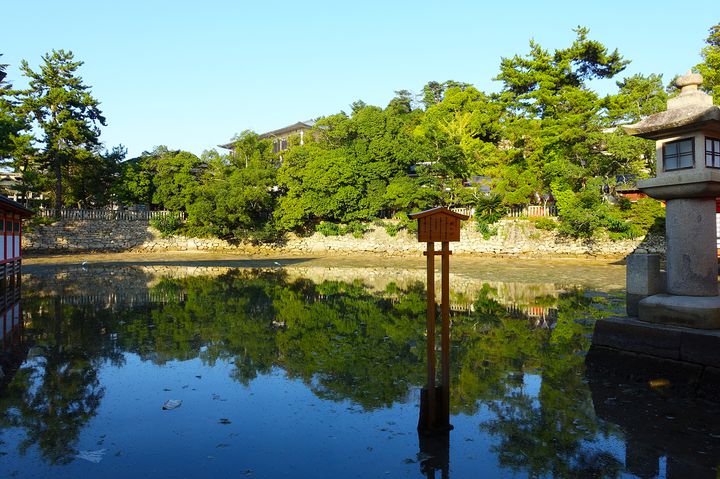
x,y
284,377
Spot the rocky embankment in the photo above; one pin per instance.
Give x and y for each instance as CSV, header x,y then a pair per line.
x,y
515,237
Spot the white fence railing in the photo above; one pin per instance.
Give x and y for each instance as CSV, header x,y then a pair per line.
x,y
532,211
464,211
123,215
517,211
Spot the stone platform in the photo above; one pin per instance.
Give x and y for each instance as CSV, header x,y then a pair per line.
x,y
698,346
691,311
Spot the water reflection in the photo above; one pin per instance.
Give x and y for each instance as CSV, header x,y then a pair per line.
x,y
519,387
669,427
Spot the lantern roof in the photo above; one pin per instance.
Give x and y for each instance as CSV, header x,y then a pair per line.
x,y
691,110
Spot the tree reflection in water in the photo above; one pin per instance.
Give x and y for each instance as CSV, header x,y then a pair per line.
x,y
345,341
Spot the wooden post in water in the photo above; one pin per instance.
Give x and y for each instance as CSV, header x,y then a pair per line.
x,y
437,225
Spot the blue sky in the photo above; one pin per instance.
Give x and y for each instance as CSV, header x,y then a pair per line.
x,y
190,74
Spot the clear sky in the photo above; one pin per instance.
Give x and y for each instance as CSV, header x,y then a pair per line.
x,y
191,74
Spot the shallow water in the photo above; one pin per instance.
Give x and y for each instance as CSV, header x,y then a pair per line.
x,y
313,369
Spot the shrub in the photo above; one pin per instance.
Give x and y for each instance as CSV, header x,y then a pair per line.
x,y
328,229
404,222
547,224
167,225
356,228
486,229
582,213
488,211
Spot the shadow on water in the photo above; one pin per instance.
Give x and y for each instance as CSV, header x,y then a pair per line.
x,y
666,420
522,399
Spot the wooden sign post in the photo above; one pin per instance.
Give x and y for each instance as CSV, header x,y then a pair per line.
x,y
437,225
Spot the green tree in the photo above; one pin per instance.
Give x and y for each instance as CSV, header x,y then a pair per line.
x,y
551,116
134,185
236,197
65,113
343,175
710,66
176,177
638,96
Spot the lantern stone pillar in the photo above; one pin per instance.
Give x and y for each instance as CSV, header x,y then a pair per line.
x,y
691,247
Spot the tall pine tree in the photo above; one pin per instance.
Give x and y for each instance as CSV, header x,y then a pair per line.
x,y
64,113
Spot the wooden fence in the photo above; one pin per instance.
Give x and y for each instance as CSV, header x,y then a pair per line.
x,y
100,214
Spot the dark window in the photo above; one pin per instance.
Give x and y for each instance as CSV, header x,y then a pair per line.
x,y
2,226
276,146
284,144
16,227
712,152
678,155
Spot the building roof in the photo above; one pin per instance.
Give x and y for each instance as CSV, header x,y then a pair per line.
x,y
301,125
6,204
440,210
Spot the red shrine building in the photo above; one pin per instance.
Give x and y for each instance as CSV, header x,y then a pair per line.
x,y
11,215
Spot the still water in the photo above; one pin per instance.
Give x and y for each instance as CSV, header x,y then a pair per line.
x,y
291,369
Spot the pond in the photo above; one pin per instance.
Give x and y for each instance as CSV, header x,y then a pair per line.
x,y
296,368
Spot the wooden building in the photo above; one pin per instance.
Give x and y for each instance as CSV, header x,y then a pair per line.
x,y
11,215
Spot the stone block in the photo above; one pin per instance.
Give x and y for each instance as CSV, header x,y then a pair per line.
x,y
700,346
629,334
643,279
643,274
709,387
701,312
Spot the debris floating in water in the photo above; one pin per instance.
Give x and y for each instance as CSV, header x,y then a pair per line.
x,y
172,404
658,383
91,456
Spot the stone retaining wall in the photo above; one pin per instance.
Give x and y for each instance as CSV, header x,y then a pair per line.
x,y
514,238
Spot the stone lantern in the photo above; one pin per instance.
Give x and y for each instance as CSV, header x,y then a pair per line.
x,y
687,139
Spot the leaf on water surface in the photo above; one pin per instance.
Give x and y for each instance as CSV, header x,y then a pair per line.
x,y
658,383
423,456
91,456
172,404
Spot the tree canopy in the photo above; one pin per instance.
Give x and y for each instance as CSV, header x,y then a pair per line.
x,y
545,135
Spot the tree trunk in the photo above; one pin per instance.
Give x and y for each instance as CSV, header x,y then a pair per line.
x,y
58,188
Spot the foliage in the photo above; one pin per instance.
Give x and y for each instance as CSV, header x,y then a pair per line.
x,y
66,116
547,224
175,177
168,225
356,228
488,211
709,68
582,213
546,132
645,215
235,200
327,228
402,222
